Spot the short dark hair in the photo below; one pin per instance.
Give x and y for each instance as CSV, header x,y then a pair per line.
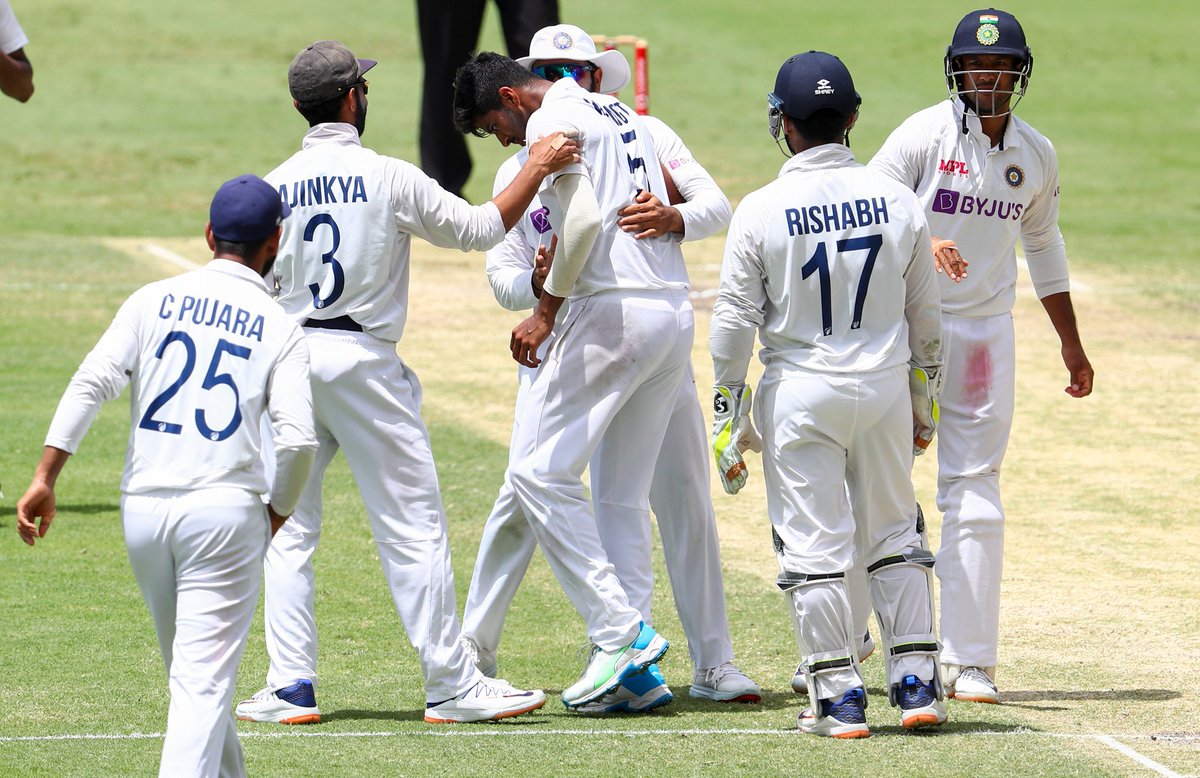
x,y
247,250
477,88
824,126
324,111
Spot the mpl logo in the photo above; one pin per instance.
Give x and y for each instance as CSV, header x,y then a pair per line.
x,y
541,220
945,201
953,167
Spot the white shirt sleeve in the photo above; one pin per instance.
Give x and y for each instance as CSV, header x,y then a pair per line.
x,y
510,271
510,264
707,210
922,300
741,300
289,406
103,375
12,37
1045,250
422,207
902,155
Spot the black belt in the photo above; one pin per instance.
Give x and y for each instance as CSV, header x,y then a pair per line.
x,y
344,323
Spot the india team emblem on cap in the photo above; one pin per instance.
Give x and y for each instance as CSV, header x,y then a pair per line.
x,y
1014,175
987,34
563,41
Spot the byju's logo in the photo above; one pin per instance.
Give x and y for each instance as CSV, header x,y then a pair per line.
x,y
949,201
541,220
945,201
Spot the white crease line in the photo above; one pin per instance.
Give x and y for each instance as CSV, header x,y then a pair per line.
x,y
1144,761
169,256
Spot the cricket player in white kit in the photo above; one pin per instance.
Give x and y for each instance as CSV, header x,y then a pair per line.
x,y
985,178
829,265
621,350
679,493
343,274
209,355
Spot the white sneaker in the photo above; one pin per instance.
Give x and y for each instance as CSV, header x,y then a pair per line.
x,y
843,718
485,660
724,683
606,669
295,704
973,685
639,694
800,680
489,700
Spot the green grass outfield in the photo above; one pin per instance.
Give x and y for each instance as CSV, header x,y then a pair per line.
x,y
143,109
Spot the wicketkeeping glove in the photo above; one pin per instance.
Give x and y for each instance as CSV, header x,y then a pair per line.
x,y
733,433
924,384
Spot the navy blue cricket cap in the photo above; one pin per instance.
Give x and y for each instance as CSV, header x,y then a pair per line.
x,y
989,31
246,209
813,81
325,70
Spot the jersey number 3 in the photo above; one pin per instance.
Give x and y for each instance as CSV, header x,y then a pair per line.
x,y
211,380
328,258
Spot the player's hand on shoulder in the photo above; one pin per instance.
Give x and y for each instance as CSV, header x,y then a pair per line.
x,y
1080,369
35,510
946,259
649,217
554,152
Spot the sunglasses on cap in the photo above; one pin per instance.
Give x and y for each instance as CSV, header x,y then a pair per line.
x,y
556,71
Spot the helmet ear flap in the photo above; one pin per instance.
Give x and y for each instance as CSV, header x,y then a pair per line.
x,y
948,66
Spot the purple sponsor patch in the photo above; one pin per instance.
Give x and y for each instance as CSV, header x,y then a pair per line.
x,y
541,220
945,201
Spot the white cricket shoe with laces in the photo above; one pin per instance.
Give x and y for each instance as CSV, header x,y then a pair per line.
x,y
294,704
491,699
724,683
972,684
605,670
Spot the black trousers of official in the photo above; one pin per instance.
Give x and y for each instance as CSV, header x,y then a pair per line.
x,y
449,35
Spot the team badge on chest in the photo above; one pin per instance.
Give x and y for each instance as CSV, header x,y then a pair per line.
x,y
1014,176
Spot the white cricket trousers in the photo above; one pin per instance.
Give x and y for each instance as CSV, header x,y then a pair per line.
x,y
614,370
367,402
681,500
197,557
837,461
977,402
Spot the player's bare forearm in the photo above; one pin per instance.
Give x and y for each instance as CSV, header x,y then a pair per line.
x,y
946,259
1062,316
529,335
36,509
648,217
276,520
550,154
16,75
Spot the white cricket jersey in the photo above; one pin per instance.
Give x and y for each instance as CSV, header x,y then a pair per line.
x,y
12,37
510,264
983,198
207,353
618,157
831,263
345,248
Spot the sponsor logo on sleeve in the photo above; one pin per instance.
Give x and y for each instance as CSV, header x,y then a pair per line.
x,y
541,220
